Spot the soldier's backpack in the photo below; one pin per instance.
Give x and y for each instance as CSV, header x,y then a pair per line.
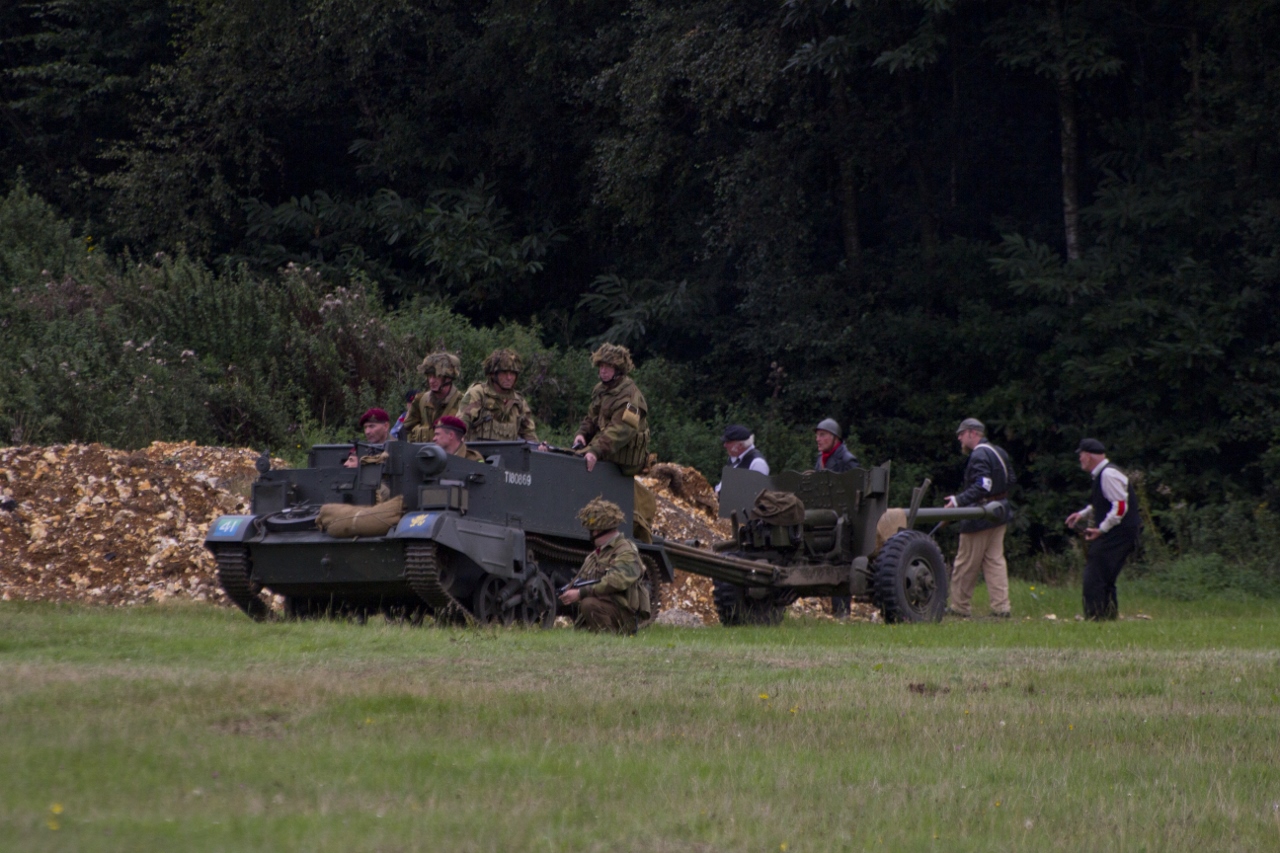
x,y
782,509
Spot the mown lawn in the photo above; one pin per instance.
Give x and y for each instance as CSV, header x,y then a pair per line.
x,y
190,728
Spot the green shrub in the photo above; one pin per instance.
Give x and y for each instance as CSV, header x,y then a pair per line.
x,y
35,243
1196,576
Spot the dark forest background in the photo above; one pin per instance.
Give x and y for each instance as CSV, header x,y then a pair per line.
x,y
243,221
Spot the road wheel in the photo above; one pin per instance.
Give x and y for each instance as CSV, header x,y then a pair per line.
x,y
488,606
911,579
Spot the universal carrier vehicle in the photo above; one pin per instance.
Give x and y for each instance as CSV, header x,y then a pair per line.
x,y
492,541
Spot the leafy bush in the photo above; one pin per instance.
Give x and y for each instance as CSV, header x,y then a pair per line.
x,y
1196,576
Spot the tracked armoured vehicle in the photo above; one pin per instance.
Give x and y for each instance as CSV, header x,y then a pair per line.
x,y
477,542
490,542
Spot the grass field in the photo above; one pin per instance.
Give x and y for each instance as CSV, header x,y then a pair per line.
x,y
193,729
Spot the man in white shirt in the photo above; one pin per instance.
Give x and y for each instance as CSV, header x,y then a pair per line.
x,y
1112,528
739,443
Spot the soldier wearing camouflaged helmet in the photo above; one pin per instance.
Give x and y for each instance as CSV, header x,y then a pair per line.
x,y
618,601
493,410
442,370
616,427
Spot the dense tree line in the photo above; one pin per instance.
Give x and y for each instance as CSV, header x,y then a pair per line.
x,y
1060,216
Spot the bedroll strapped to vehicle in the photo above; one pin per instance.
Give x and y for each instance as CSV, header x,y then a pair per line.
x,y
345,520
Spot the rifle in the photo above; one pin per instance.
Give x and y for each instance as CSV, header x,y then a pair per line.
x,y
578,584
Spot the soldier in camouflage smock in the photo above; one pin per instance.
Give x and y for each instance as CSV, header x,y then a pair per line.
x,y
443,398
620,600
493,410
616,427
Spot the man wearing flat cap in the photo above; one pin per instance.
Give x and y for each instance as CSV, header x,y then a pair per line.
x,y
449,434
739,443
987,477
833,455
1112,539
376,425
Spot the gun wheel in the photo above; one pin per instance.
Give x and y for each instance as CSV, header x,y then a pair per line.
x,y
653,578
736,605
911,579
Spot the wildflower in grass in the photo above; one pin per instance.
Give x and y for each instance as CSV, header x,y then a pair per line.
x,y
997,804
795,708
764,695
1070,728
56,808
52,824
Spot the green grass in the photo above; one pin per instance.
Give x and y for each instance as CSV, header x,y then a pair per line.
x,y
190,728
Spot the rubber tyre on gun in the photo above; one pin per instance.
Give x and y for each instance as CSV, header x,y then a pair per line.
x,y
736,606
911,579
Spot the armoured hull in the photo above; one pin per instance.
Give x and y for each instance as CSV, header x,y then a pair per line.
x,y
476,541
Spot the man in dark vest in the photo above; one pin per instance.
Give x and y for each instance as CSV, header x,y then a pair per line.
x,y
987,477
1111,539
739,443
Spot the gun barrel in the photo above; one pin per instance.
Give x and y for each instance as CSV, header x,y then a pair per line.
x,y
993,511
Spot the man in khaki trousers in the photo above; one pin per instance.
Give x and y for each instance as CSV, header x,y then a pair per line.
x,y
987,478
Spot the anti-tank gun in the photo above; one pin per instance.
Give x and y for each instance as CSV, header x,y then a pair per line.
x,y
474,541
819,533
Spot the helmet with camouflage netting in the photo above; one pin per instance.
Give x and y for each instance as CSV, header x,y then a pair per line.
x,y
600,514
616,355
503,359
446,365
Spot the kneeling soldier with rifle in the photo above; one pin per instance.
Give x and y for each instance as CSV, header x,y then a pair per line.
x,y
617,601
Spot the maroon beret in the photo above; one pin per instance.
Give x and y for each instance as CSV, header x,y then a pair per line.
x,y
456,424
378,415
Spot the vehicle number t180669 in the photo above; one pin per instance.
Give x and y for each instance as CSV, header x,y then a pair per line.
x,y
517,479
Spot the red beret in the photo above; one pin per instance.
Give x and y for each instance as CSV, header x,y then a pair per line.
x,y
456,424
375,415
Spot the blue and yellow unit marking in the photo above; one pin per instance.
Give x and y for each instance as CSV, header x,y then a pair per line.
x,y
418,524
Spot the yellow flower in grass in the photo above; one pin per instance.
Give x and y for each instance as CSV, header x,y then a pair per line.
x,y
56,808
764,695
